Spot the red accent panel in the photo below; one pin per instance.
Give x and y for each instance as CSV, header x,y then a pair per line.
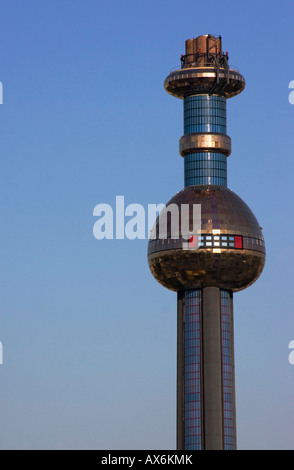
x,y
239,242
193,242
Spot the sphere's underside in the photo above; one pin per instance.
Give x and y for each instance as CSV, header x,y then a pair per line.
x,y
223,215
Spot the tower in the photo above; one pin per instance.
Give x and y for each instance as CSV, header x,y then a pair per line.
x,y
226,255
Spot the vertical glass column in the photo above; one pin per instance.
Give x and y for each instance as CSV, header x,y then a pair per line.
x,y
205,114
227,370
192,371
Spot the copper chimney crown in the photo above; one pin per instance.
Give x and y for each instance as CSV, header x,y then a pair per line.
x,y
204,51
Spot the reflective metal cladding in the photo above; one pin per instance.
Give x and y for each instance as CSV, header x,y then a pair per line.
x,y
216,264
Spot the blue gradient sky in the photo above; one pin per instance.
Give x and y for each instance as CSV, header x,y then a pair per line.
x,y
89,337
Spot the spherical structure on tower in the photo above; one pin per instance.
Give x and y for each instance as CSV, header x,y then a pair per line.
x,y
230,250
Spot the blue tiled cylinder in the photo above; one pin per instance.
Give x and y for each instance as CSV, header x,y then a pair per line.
x,y
205,168
205,114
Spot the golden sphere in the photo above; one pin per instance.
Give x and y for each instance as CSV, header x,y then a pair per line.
x,y
232,259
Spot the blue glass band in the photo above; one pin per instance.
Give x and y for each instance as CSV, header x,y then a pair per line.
x,y
205,168
205,113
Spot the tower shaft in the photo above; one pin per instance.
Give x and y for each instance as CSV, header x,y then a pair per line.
x,y
206,414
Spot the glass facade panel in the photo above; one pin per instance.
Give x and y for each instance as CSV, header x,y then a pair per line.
x,y
205,113
192,363
205,168
227,370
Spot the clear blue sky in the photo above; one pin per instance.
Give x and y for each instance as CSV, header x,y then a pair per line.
x,y
89,337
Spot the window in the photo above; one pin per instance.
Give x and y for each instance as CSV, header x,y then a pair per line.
x,y
221,241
